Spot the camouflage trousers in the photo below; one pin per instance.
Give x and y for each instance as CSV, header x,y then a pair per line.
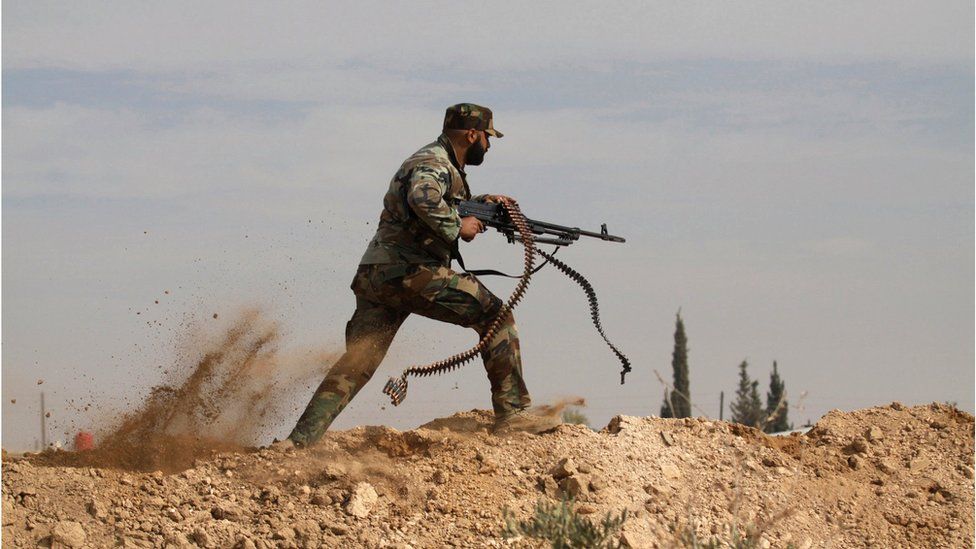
x,y
385,296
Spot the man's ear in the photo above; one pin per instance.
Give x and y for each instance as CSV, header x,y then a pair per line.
x,y
471,136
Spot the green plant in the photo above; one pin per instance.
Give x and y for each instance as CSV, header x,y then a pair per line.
x,y
777,407
563,527
747,409
686,538
680,406
573,415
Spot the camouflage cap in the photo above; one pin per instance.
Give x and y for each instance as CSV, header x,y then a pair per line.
x,y
467,116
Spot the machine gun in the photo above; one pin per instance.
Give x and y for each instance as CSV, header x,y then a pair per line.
x,y
494,215
507,218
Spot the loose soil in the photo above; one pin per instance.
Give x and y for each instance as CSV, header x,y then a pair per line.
x,y
890,476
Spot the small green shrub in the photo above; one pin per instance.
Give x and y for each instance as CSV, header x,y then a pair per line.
x,y
573,415
564,528
686,538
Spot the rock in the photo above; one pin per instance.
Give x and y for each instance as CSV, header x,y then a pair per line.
x,y
68,533
173,514
630,538
897,406
584,468
201,537
657,490
321,498
362,500
227,511
854,462
440,477
586,509
564,468
8,512
270,494
96,509
575,487
285,534
334,471
307,529
885,466
874,434
597,484
667,438
857,446
548,486
338,529
670,471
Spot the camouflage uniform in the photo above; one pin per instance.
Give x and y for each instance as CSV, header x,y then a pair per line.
x,y
406,269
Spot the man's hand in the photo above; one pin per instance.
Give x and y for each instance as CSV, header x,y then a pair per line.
x,y
498,198
470,227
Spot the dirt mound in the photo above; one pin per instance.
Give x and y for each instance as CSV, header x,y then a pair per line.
x,y
890,476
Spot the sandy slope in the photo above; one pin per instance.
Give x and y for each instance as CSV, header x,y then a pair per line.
x,y
889,476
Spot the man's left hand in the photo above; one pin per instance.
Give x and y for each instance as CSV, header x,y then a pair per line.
x,y
499,198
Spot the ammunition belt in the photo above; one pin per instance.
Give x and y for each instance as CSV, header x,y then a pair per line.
x,y
396,387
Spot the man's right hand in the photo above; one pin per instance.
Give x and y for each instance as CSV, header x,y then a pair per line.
x,y
470,227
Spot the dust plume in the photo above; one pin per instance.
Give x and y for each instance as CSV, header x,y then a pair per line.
x,y
225,399
556,408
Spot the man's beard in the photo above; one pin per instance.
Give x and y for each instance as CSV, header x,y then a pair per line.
x,y
475,154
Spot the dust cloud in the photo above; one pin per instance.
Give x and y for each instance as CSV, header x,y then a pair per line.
x,y
224,398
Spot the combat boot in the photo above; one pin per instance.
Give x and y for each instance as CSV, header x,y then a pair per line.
x,y
524,421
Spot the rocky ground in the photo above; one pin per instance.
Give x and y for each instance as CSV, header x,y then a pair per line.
x,y
890,476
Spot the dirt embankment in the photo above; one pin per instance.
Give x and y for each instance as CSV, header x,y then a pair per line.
x,y
890,476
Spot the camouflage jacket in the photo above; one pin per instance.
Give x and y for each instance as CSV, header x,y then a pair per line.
x,y
419,222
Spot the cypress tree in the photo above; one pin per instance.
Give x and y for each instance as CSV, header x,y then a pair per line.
x,y
681,396
776,411
756,406
666,408
746,408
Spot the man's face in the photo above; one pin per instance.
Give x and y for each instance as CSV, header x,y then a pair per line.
x,y
475,154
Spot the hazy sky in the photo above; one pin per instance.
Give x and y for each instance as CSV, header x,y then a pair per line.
x,y
797,178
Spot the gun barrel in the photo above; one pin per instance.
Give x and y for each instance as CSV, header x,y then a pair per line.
x,y
552,228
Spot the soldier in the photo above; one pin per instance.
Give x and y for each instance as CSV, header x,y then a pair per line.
x,y
407,269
